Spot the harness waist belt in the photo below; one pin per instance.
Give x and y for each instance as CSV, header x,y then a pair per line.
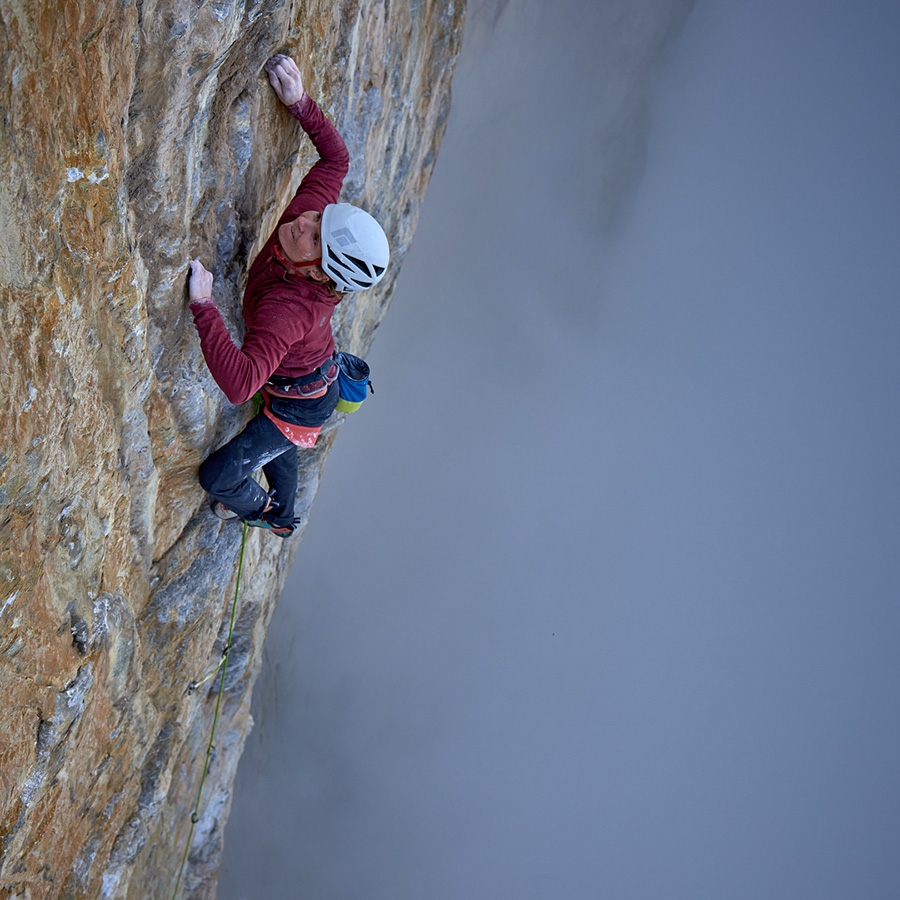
x,y
304,387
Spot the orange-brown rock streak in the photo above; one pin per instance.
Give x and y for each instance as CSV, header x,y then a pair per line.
x,y
134,136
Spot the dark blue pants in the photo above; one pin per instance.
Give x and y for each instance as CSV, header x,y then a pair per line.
x,y
226,474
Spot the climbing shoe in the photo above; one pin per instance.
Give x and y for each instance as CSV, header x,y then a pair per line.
x,y
282,531
220,510
263,521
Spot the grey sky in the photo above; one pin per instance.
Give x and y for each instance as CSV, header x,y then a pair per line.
x,y
600,593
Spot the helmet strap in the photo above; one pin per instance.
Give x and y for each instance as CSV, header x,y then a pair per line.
x,y
292,267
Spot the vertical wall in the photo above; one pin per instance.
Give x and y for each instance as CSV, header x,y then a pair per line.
x,y
134,136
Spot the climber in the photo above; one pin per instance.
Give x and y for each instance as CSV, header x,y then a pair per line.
x,y
319,251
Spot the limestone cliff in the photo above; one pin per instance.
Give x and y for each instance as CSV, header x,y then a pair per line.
x,y
136,134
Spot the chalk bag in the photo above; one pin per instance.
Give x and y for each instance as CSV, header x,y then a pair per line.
x,y
353,381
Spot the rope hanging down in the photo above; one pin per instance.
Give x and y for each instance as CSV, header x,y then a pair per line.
x,y
195,815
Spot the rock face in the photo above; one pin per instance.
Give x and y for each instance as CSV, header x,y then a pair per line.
x,y
134,136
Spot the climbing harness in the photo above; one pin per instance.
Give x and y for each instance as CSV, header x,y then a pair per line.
x,y
223,663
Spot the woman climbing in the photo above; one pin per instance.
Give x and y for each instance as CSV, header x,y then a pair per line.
x,y
319,251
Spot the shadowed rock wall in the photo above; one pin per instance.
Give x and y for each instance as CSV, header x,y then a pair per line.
x,y
135,135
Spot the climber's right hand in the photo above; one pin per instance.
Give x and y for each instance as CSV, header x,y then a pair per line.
x,y
201,282
285,77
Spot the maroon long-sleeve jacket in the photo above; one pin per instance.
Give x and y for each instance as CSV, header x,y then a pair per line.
x,y
287,318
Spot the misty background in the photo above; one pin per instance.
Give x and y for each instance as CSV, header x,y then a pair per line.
x,y
599,597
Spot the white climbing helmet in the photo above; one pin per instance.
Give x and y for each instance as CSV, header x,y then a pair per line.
x,y
355,250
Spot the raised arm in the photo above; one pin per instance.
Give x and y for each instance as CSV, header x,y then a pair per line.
x,y
322,184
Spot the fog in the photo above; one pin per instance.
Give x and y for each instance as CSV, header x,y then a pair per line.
x,y
599,597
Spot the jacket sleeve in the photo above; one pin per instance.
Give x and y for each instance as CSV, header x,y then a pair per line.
x,y
322,183
241,371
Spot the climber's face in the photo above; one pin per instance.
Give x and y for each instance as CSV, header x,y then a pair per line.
x,y
300,239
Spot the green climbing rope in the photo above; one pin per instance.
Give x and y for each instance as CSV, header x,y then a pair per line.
x,y
195,815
